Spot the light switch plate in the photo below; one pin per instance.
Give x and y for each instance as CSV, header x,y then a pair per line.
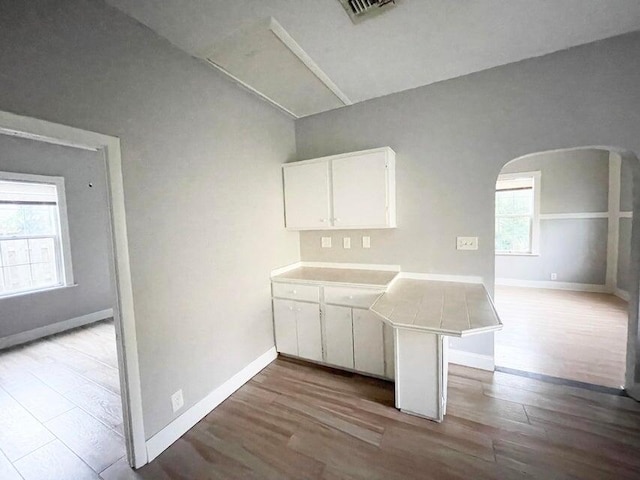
x,y
467,243
366,242
326,242
346,242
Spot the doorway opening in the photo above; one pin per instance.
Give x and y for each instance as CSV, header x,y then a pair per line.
x,y
100,347
563,256
59,381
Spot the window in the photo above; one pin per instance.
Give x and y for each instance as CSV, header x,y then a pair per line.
x,y
34,239
517,211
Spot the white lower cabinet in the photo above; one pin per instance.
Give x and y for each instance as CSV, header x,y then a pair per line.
x,y
338,331
345,335
309,331
368,342
297,328
284,323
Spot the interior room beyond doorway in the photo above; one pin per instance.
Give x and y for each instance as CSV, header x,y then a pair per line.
x,y
563,234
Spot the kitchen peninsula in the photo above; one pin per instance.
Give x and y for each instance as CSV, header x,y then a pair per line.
x,y
383,323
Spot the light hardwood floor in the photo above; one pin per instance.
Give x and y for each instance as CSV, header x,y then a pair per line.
x,y
295,420
575,335
60,408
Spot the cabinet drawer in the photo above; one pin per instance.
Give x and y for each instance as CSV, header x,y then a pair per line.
x,y
353,297
309,293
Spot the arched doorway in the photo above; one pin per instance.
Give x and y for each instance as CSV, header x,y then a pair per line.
x,y
566,265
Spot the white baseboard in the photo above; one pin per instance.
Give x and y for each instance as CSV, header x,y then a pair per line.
x,y
58,327
441,277
172,432
473,360
578,287
623,294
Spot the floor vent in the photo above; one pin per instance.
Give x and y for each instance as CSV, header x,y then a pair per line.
x,y
358,10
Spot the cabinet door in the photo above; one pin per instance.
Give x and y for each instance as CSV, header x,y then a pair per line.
x,y
306,195
368,342
309,331
360,191
338,336
284,324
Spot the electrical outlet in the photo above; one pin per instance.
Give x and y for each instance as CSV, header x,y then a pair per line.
x,y
346,242
366,242
554,276
177,401
326,242
467,243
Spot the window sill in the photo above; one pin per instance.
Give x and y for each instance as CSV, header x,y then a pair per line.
x,y
516,254
34,292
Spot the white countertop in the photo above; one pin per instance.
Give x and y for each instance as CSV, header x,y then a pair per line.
x,y
341,276
446,308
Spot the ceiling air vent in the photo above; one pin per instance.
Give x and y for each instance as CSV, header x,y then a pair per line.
x,y
358,10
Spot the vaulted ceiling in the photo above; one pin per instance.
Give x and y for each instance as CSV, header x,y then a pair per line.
x,y
416,43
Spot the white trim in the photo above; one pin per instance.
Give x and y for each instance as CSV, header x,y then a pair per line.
x,y
626,215
473,360
440,277
172,432
568,216
124,315
613,226
35,292
353,266
250,88
297,50
287,268
623,294
47,330
577,287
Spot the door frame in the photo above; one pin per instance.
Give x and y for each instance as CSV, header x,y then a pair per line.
x,y
123,311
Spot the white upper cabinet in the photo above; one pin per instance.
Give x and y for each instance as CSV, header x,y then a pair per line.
x,y
352,190
307,195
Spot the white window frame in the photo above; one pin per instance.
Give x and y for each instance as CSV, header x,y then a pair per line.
x,y
66,267
536,176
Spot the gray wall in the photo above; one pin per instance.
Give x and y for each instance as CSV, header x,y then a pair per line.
x,y
88,234
453,138
575,249
574,181
202,183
